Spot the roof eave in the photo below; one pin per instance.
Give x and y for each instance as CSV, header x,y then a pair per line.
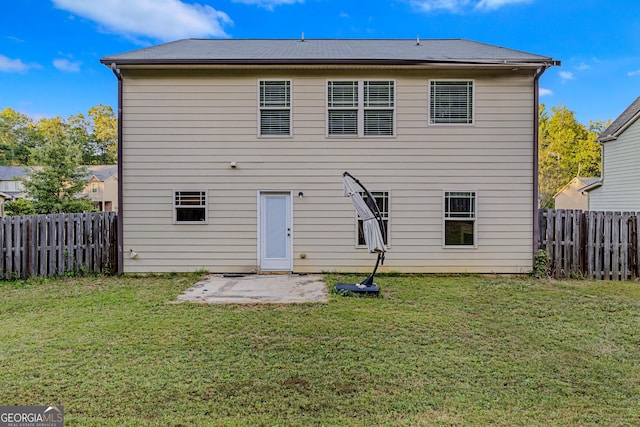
x,y
591,186
607,138
339,61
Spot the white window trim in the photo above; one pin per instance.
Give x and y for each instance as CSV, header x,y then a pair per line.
x,y
258,118
360,108
388,218
174,206
473,100
474,219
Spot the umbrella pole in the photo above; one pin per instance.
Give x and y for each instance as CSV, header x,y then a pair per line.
x,y
369,280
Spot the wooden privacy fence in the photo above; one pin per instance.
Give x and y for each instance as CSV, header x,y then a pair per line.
x,y
51,245
598,245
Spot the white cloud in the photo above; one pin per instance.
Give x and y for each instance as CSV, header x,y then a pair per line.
x,y
633,73
431,5
545,92
583,67
566,75
268,4
66,65
344,15
461,5
158,19
9,65
497,4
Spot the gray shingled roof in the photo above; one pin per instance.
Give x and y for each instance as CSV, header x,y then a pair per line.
x,y
621,122
328,51
103,172
7,173
588,181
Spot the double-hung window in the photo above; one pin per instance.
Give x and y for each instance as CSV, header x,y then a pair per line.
x,y
189,206
381,199
451,102
361,108
460,219
275,107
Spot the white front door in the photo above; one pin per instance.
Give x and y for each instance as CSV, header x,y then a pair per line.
x,y
275,231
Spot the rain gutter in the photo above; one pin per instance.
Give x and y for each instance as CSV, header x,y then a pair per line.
x,y
116,72
124,62
536,100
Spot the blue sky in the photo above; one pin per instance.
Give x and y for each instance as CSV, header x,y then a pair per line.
x,y
50,49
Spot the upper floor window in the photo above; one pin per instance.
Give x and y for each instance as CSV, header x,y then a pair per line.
x,y
451,102
361,108
460,218
190,206
275,108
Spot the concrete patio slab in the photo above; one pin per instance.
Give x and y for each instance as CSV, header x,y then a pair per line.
x,y
253,288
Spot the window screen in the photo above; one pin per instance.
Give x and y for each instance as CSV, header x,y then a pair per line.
x,y
451,102
275,108
190,206
360,108
459,218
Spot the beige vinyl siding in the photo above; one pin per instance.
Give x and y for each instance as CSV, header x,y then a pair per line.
x,y
620,190
182,130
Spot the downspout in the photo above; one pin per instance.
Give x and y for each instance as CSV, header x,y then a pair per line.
x,y
118,75
536,119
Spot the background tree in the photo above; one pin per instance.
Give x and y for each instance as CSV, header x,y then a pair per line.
x,y
566,148
19,207
96,133
18,135
55,187
105,134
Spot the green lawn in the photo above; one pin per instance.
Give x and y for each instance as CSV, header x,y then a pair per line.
x,y
433,350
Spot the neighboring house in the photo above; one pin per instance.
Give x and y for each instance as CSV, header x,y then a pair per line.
x,y
572,196
10,183
103,187
232,154
619,187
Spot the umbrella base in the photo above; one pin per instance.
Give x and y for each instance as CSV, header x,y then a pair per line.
x,y
358,289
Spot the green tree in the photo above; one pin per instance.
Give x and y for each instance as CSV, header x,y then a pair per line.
x,y
566,148
18,135
105,134
19,207
96,132
55,187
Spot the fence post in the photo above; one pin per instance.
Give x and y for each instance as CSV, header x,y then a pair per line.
x,y
8,235
2,248
636,243
624,246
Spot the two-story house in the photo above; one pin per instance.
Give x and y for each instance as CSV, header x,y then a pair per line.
x,y
232,154
618,189
102,187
